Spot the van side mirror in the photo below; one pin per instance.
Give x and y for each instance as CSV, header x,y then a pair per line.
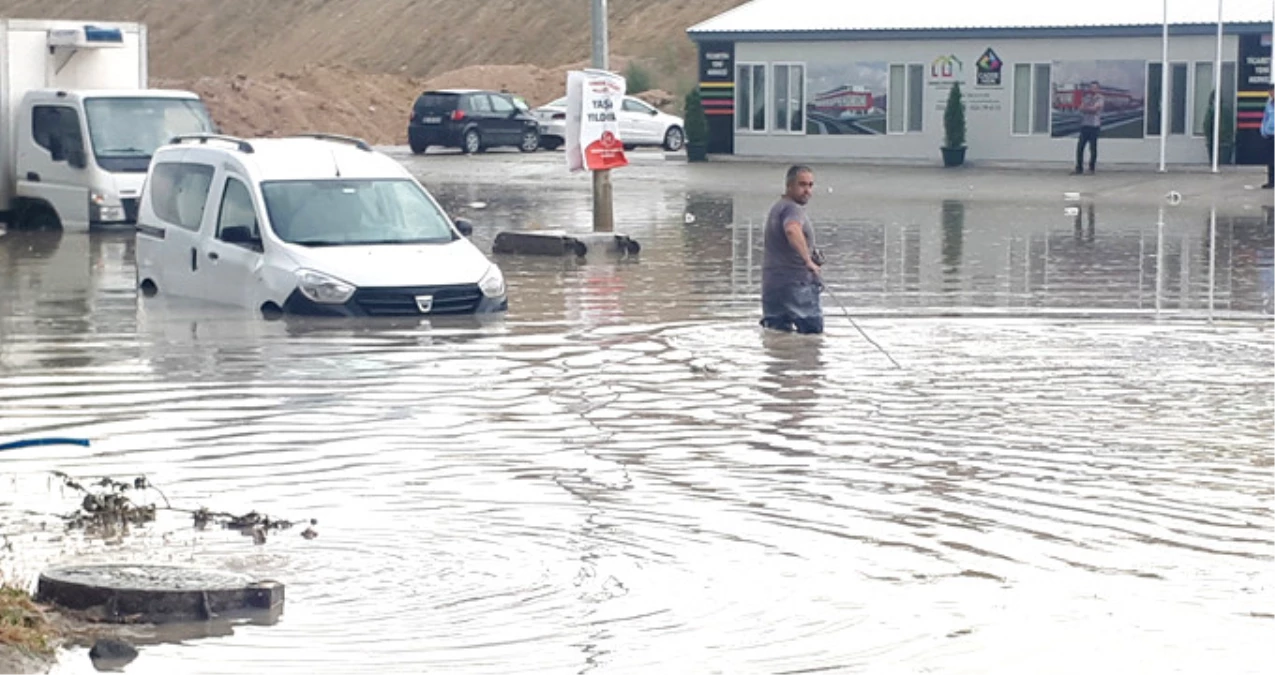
x,y
465,227
654,112
239,234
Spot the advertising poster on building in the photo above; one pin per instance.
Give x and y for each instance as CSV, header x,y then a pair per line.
x,y
1122,84
593,140
846,98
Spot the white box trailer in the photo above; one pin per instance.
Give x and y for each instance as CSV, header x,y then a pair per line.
x,y
77,123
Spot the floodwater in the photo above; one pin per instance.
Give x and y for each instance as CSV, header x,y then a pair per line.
x,y
1072,472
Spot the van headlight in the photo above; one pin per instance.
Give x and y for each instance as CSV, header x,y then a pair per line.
x,y
323,289
493,283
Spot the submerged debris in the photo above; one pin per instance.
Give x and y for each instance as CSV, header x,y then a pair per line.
x,y
107,507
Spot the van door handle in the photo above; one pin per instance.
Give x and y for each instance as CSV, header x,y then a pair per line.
x,y
33,177
194,260
212,255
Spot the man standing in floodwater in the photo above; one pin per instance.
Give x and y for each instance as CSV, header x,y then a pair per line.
x,y
1090,127
790,277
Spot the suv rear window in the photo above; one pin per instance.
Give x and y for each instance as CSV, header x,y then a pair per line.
x,y
432,101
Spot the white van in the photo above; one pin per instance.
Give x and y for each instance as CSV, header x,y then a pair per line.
x,y
315,224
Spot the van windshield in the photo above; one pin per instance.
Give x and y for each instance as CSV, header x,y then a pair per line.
x,y
342,212
126,131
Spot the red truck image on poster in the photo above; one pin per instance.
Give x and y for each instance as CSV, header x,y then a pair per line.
x,y
1068,98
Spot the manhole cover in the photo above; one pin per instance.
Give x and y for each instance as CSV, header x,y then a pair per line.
x,y
156,593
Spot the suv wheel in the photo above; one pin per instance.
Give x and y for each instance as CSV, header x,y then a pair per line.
x,y
418,147
472,142
674,139
530,141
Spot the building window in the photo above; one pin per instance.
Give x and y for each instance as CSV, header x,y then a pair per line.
x,y
1177,98
788,83
1031,99
916,97
750,97
895,110
1177,113
1041,98
905,102
1204,91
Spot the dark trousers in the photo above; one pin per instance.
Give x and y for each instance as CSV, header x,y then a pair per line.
x,y
1088,135
789,306
1270,160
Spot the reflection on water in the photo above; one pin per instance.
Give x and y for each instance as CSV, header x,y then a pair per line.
x,y
626,475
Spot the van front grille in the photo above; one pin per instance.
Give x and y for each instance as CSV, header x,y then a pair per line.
x,y
460,299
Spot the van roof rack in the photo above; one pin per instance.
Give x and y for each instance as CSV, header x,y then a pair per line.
x,y
244,146
356,142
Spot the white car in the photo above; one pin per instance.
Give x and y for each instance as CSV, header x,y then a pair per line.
x,y
317,225
640,124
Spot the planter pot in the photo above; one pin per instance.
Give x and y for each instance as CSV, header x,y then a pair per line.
x,y
953,156
697,152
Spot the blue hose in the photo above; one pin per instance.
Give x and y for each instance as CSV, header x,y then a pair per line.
x,y
30,442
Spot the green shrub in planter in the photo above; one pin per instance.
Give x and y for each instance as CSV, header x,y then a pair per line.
x,y
1226,139
696,127
954,128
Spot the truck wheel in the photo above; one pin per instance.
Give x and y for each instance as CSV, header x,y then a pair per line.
x,y
39,218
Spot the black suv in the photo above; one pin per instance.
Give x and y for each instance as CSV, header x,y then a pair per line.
x,y
472,120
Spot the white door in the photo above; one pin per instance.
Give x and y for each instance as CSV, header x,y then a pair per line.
x,y
179,194
233,255
53,164
646,129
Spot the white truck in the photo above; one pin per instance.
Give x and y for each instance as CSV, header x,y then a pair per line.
x,y
77,123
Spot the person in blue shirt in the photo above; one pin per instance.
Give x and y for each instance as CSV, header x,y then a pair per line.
x,y
1268,135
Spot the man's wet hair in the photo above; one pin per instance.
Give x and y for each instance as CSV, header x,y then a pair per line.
x,y
796,170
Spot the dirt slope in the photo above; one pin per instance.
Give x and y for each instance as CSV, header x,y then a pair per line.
x,y
422,38
270,67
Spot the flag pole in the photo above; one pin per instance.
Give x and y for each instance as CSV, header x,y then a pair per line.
x,y
1218,104
1164,86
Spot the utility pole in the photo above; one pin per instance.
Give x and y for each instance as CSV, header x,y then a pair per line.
x,y
603,214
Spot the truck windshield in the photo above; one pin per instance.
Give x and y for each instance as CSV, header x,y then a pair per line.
x,y
341,212
126,131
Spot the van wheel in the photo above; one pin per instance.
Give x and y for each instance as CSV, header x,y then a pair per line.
x,y
530,141
674,139
472,142
149,289
271,312
39,217
418,148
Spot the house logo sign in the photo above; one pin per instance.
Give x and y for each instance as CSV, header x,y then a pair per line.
x,y
988,69
946,68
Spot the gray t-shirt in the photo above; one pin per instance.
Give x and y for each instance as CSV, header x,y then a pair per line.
x,y
781,263
1091,111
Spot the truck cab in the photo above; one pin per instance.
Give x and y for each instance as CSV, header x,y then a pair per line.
x,y
79,125
82,155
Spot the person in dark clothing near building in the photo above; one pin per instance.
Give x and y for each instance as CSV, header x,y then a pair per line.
x,y
790,277
1090,128
1268,137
